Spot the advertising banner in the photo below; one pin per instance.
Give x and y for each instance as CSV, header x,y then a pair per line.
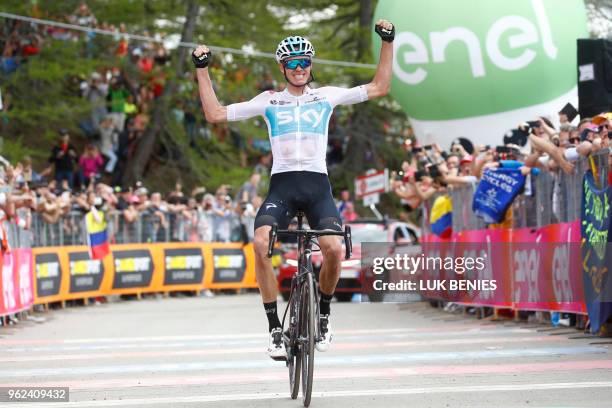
x,y
85,273
478,68
533,269
63,273
48,274
16,286
492,246
132,268
229,265
183,266
596,224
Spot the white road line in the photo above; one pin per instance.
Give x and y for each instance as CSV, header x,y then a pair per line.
x,y
329,394
372,359
122,343
239,336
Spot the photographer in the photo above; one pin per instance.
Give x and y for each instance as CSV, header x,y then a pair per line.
x,y
63,157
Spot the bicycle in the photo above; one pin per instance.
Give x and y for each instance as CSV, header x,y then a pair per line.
x,y
302,333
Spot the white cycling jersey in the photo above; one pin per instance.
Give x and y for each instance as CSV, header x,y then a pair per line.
x,y
297,125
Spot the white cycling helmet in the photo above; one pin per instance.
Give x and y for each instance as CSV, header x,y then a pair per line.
x,y
294,46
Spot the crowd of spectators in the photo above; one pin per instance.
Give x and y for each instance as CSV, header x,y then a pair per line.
x,y
136,214
534,147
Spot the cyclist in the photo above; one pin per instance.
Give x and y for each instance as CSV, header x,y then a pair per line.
x,y
297,120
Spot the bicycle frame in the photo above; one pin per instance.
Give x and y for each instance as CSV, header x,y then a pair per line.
x,y
303,306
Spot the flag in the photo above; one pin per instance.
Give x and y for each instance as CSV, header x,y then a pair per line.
x,y
441,217
97,237
495,193
596,232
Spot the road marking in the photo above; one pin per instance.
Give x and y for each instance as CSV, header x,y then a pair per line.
x,y
327,394
230,336
29,356
273,376
121,343
374,359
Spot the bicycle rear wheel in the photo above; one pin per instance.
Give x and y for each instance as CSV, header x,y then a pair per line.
x,y
294,358
307,321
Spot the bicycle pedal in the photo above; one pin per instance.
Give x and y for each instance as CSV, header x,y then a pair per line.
x,y
279,358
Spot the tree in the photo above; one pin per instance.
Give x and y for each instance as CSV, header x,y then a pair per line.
x,y
160,111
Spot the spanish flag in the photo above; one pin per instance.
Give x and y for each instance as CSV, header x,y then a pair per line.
x,y
441,217
97,237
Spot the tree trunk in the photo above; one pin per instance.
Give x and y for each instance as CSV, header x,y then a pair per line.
x,y
138,163
365,20
361,128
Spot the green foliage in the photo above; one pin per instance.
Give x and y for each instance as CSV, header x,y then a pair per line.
x,y
45,91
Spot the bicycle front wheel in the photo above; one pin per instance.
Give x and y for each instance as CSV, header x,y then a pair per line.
x,y
307,321
294,354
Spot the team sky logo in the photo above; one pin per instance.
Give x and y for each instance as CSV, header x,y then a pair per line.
x,y
312,118
275,102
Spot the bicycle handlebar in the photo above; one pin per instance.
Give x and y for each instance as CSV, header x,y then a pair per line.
x,y
346,234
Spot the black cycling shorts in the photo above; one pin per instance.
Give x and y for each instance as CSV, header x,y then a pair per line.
x,y
307,191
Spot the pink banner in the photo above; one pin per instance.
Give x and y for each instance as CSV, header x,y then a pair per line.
x,y
546,263
491,245
534,269
17,291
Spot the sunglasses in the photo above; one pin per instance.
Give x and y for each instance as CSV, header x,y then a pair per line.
x,y
300,62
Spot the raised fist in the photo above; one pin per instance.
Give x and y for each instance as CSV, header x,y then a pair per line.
x,y
201,56
385,29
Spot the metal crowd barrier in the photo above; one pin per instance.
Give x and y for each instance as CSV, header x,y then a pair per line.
x,y
548,198
146,228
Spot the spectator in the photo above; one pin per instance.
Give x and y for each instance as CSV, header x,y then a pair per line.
x,y
349,214
63,158
83,16
158,219
116,98
248,191
90,162
205,220
109,140
345,198
28,175
95,92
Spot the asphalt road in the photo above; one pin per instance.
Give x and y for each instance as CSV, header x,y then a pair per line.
x,y
211,352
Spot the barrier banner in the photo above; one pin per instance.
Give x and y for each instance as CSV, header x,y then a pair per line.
x,y
562,260
9,289
132,268
229,265
183,266
85,273
2,307
533,269
64,273
16,283
596,254
434,246
23,275
491,245
48,274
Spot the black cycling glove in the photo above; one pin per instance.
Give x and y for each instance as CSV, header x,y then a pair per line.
x,y
386,35
201,61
